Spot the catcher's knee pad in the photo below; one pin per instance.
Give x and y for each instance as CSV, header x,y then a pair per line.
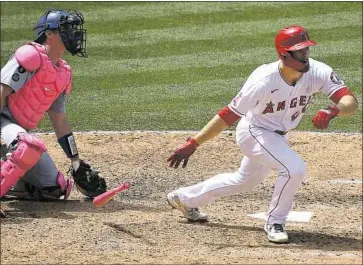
x,y
61,191
25,152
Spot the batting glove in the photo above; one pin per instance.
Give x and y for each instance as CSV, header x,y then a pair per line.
x,y
183,154
323,117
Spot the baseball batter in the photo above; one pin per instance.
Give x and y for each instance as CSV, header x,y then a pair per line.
x,y
34,81
271,102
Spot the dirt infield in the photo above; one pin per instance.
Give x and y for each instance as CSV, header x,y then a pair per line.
x,y
138,227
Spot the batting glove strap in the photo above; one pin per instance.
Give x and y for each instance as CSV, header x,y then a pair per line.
x,y
192,142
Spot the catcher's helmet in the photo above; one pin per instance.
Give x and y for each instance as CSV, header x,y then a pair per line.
x,y
70,26
291,39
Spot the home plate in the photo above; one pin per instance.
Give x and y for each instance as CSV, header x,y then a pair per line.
x,y
291,217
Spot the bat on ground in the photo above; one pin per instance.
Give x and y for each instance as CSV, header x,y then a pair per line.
x,y
105,197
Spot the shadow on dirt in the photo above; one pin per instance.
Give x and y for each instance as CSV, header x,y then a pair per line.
x,y
298,239
29,209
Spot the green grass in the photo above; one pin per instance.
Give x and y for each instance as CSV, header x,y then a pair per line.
x,y
173,65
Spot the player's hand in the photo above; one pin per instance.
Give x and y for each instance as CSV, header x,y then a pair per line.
x,y
183,154
323,117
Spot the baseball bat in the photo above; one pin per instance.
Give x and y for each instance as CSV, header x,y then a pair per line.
x,y
105,197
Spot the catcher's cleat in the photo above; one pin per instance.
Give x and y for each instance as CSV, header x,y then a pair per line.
x,y
2,214
276,233
192,214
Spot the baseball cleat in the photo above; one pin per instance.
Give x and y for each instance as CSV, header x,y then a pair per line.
x,y
2,214
276,233
192,214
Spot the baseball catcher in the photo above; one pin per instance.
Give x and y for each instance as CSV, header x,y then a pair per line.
x,y
35,81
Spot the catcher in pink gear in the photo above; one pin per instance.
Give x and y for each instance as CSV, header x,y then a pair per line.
x,y
36,81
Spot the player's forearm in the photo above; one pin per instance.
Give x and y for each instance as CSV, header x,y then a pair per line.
x,y
60,123
212,129
63,131
347,106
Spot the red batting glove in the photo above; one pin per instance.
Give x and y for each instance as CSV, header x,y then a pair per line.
x,y
323,117
183,154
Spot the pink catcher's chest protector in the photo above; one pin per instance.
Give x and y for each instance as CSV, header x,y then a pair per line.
x,y
29,104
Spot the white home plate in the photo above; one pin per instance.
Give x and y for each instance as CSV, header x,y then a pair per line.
x,y
292,216
347,181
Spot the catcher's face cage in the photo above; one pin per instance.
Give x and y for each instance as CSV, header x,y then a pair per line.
x,y
73,34
70,26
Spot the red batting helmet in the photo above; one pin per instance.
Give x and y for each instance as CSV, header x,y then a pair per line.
x,y
291,39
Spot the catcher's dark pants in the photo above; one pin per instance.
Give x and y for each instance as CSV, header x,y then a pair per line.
x,y
42,176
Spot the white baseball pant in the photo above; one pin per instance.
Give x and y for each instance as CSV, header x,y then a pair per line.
x,y
264,151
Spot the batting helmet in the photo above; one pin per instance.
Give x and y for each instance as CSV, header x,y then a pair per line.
x,y
291,39
70,26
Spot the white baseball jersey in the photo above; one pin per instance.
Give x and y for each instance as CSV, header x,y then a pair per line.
x,y
268,101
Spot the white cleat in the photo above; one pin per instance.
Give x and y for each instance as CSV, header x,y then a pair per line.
x,y
276,233
192,214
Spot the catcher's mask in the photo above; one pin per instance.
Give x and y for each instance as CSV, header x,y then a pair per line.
x,y
70,26
289,43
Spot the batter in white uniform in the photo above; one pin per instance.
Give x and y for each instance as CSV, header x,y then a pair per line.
x,y
270,103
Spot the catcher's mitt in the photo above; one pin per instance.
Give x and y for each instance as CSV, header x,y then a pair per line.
x,y
88,181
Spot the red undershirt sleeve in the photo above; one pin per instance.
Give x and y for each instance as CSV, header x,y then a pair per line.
x,y
341,93
228,115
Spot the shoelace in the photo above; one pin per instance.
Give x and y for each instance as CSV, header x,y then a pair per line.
x,y
278,227
193,211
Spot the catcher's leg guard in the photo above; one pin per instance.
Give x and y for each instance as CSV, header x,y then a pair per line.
x,y
65,185
27,191
25,152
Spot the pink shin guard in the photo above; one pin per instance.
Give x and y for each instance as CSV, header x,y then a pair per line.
x,y
65,185
26,154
